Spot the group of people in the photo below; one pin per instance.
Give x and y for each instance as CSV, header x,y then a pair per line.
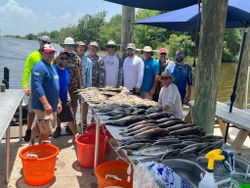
x,y
55,80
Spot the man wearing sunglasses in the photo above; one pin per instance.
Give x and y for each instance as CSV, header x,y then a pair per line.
x,y
45,93
113,66
133,70
74,66
31,60
66,114
183,75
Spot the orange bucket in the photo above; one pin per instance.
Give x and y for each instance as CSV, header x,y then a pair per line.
x,y
86,150
39,163
92,130
113,168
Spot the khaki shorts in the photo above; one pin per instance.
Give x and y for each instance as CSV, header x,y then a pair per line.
x,y
45,122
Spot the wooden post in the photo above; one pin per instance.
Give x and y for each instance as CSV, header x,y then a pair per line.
x,y
128,16
241,86
209,62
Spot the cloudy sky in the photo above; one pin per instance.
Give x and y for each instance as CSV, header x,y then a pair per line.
x,y
21,17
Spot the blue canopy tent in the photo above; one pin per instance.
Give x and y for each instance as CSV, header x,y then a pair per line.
x,y
186,19
163,5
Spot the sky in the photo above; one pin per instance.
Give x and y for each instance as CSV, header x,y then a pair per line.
x,y
21,17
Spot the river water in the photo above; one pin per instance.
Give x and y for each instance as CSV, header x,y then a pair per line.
x,y
13,53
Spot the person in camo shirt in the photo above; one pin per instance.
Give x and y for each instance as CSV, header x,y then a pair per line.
x,y
74,66
98,69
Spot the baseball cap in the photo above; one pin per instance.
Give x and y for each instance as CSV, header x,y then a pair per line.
x,y
163,51
131,46
48,48
44,39
64,52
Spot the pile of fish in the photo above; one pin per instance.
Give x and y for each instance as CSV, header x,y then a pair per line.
x,y
160,148
112,95
149,133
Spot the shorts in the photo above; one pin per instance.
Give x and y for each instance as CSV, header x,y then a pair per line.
x,y
74,98
66,114
45,122
30,109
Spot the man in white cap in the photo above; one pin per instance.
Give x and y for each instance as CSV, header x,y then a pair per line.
x,y
45,92
133,70
113,66
97,75
76,78
98,69
31,60
151,71
170,98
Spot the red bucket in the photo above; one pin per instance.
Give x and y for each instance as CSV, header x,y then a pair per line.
x,y
86,150
91,129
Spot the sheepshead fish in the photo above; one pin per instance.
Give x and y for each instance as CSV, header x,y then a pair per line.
x,y
180,126
125,121
158,115
141,122
169,123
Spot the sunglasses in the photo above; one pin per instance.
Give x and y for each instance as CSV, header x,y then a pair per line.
x,y
44,42
163,54
51,53
110,47
69,46
130,49
64,58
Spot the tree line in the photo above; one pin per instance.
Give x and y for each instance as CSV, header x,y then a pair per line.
x,y
96,28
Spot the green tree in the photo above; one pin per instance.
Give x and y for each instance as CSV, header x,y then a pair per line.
x,y
148,35
232,43
180,42
70,31
31,36
111,30
89,26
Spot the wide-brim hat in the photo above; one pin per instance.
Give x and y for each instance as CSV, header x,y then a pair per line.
x,y
166,74
95,44
111,43
68,41
147,49
80,43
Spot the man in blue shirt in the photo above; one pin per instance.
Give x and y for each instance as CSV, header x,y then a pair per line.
x,y
66,114
183,75
151,72
45,92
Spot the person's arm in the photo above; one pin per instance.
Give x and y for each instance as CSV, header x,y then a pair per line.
x,y
156,73
81,76
26,75
101,73
140,75
47,107
120,73
190,83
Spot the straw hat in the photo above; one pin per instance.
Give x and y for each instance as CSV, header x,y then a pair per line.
x,y
166,74
111,43
95,44
131,46
147,49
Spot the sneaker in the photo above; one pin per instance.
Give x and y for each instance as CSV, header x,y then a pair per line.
x,y
68,130
27,135
57,132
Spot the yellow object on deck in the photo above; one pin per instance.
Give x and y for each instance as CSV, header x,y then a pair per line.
x,y
214,155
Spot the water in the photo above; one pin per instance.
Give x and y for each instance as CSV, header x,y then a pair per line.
x,y
13,53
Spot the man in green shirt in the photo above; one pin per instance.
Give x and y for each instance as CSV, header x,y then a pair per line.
x,y
31,60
